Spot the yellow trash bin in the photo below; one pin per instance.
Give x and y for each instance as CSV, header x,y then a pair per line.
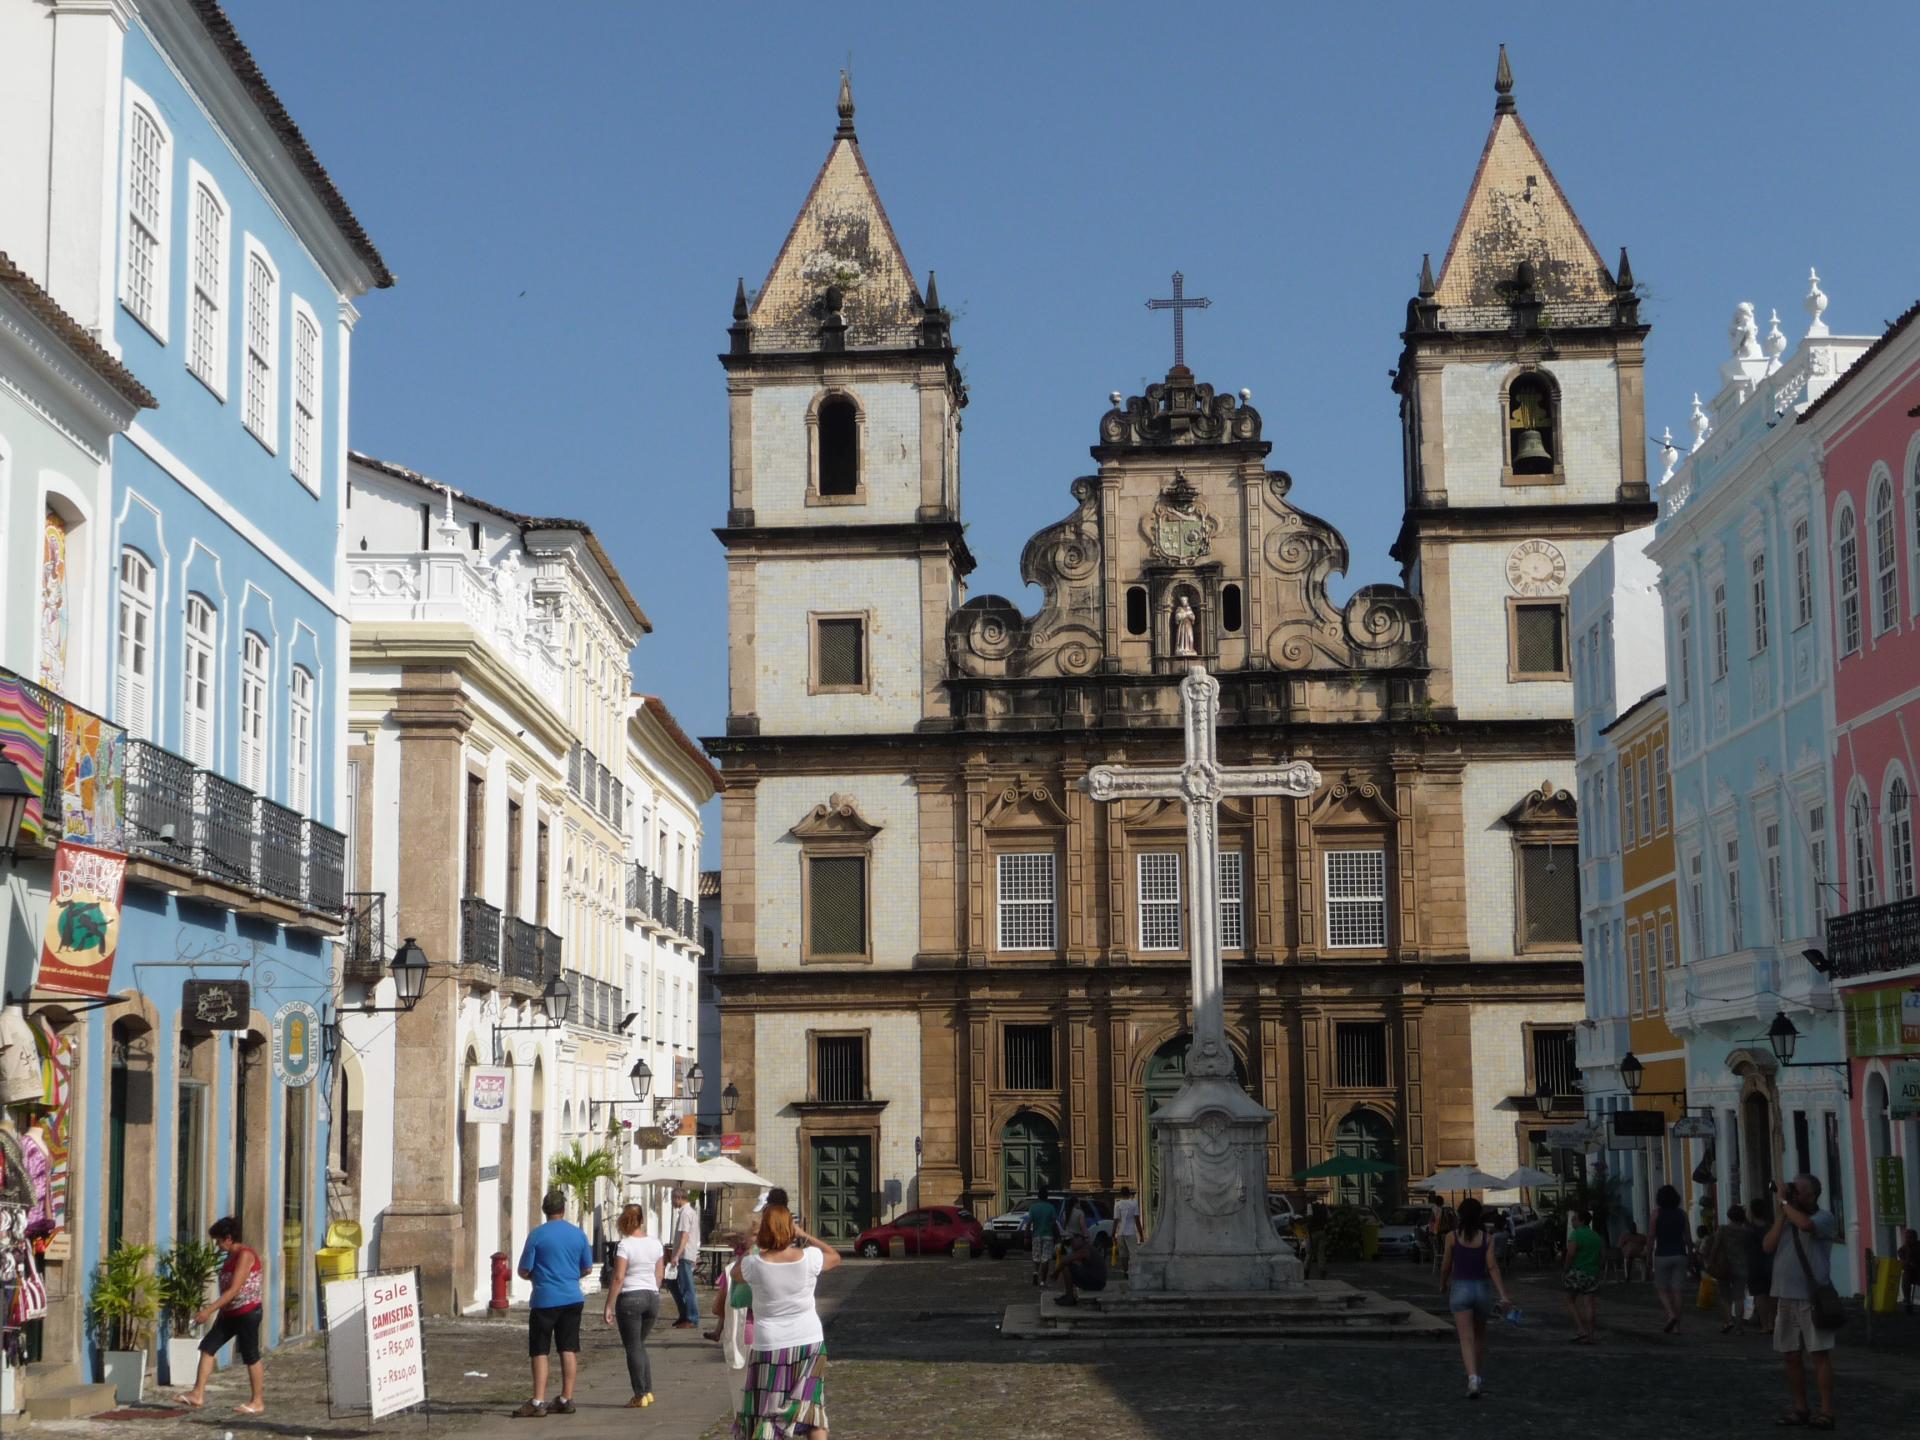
x,y
1886,1285
1370,1240
339,1258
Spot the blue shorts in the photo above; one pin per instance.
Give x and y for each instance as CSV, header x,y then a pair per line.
x,y
1474,1295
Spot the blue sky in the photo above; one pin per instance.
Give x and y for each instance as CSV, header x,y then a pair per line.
x,y
568,191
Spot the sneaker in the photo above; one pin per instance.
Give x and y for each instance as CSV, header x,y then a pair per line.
x,y
685,1325
1473,1387
561,1407
530,1410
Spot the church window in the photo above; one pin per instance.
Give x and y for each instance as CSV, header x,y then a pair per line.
x,y
143,287
1230,617
839,444
133,654
1159,896
1360,1055
1900,878
836,906
1028,918
1532,435
1549,894
1537,640
1720,631
839,652
1356,899
197,720
1136,610
840,1069
1233,904
1846,570
1886,560
1757,581
1802,574
1027,1056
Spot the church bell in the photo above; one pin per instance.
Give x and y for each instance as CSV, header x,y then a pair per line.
x,y
1529,449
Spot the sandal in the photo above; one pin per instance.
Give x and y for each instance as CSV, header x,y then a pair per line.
x,y
249,1409
189,1402
1821,1422
1792,1417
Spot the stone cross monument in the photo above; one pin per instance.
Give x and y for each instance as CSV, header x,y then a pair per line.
x,y
1211,1232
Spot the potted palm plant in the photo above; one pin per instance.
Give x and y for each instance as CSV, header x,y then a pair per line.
x,y
121,1315
185,1273
579,1172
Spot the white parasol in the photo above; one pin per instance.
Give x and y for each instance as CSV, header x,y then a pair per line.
x,y
1528,1178
1461,1177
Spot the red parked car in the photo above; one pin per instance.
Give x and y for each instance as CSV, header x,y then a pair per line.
x,y
930,1230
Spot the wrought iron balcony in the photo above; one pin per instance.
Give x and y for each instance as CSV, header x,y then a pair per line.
x,y
279,865
326,868
479,934
523,950
637,887
159,790
1872,942
222,829
552,954
689,919
363,944
657,902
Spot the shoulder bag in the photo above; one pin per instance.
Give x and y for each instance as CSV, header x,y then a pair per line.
x,y
1828,1312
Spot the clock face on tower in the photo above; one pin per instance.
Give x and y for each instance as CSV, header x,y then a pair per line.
x,y
1536,567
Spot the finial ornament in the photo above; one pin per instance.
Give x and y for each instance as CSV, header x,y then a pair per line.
x,y
1699,423
1503,86
1117,398
1669,454
1816,303
1776,344
1426,277
933,291
1624,279
846,106
740,299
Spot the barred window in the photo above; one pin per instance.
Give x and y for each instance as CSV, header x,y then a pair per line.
x,y
840,1069
1028,1053
1549,894
1233,909
1356,899
837,904
206,325
144,286
840,654
261,339
1360,1055
1540,640
1554,1070
1159,894
1028,918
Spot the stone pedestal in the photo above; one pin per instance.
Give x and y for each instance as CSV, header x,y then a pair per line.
x,y
1212,1232
427,1236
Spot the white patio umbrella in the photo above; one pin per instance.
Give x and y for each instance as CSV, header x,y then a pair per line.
x,y
672,1169
1528,1178
725,1170
1461,1177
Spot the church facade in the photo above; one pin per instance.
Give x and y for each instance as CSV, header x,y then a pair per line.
x,y
947,974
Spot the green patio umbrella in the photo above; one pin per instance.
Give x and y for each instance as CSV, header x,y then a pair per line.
x,y
1341,1166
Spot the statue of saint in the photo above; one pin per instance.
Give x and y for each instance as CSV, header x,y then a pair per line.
x,y
1183,627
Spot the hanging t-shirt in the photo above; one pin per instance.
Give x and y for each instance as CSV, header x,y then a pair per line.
x,y
642,1253
783,1309
20,1080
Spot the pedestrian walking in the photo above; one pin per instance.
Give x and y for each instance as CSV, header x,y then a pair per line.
x,y
1760,1263
1043,1224
1805,1319
1909,1256
785,1397
235,1313
685,1261
633,1298
1672,1249
556,1258
1584,1253
1632,1247
1470,1279
1727,1256
1128,1230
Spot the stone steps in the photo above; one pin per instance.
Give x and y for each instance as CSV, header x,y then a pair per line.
x,y
56,1392
1322,1309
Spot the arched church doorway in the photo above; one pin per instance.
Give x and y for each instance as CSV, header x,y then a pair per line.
x,y
1166,1073
1029,1157
1365,1135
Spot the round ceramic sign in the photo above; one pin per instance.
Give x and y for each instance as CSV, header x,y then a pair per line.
x,y
296,1043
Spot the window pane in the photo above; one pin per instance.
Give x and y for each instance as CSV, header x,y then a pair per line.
x,y
840,1068
837,905
1027,902
1233,909
1538,646
1550,882
1356,898
840,646
1159,896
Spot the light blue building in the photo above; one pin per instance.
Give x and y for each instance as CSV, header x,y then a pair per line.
x,y
204,242
1741,543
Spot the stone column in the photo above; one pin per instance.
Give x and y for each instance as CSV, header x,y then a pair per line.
x,y
423,1225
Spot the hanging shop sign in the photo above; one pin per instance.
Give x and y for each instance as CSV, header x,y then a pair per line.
x,y
217,1004
1581,1135
1910,1018
489,1093
1889,1190
296,1043
1692,1127
1903,1090
1638,1124
82,933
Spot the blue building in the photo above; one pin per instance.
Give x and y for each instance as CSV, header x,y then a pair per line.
x,y
217,259
1741,543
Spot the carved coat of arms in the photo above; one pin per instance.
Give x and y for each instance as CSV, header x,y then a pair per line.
x,y
1178,528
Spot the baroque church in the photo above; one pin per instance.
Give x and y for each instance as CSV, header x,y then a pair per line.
x,y
948,975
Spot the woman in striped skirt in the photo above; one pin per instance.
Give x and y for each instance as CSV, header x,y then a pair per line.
x,y
786,1391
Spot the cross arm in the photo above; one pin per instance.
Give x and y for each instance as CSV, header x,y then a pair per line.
x,y
1111,782
1296,778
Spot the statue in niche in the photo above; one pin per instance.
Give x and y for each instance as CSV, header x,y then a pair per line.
x,y
1183,618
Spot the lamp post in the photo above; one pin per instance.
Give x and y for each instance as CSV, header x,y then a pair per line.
x,y
555,1001
1783,1039
14,796
409,971
730,1099
1633,1075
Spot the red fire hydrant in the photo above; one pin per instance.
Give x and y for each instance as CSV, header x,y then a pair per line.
x,y
501,1276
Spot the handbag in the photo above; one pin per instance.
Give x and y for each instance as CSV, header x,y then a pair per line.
x,y
1828,1312
30,1299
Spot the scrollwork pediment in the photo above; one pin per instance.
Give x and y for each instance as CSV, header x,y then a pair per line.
x,y
1353,799
838,819
1546,808
1380,627
1024,802
988,636
1180,411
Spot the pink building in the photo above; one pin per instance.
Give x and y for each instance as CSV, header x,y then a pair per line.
x,y
1867,431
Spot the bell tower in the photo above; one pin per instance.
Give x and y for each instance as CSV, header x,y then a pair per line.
x,y
844,546
1523,430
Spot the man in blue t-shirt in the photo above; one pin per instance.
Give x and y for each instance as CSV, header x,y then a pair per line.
x,y
555,1258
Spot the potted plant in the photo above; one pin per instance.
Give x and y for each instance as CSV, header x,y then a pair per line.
x,y
185,1273
121,1316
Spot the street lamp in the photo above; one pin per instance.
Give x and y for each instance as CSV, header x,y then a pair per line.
x,y
555,999
409,970
641,1078
695,1079
14,796
729,1099
1783,1038
1543,1098
1632,1073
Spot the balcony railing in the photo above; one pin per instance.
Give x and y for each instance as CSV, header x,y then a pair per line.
x,y
522,950
1872,942
637,886
479,934
657,901
222,828
326,867
159,803
552,954
364,940
689,920
278,859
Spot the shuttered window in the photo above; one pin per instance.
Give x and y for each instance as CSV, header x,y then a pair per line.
x,y
300,759
837,905
253,713
133,656
199,697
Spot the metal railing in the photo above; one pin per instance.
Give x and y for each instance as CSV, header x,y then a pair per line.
x,y
637,886
363,942
159,803
479,934
279,860
222,828
552,954
690,920
1872,942
326,866
522,949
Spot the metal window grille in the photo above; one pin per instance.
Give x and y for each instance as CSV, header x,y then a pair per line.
x,y
837,905
1849,568
1028,919
1634,1005
1360,1055
1233,909
1759,589
840,644
204,325
840,1069
1029,1056
1802,574
306,395
1550,891
1159,892
1356,899
1554,1070
1539,640
259,396
146,152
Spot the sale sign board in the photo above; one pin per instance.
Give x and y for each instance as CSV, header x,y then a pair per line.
x,y
83,920
396,1356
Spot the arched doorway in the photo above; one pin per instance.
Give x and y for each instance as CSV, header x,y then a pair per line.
x,y
1166,1073
130,1175
1365,1135
1029,1157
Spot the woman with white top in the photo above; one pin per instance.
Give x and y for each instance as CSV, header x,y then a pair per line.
x,y
633,1298
786,1390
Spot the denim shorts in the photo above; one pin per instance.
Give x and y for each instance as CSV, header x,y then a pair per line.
x,y
1474,1295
